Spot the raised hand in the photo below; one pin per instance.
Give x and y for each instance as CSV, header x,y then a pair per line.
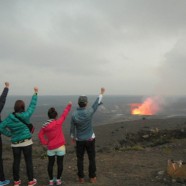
x,y
102,90
70,103
36,89
7,84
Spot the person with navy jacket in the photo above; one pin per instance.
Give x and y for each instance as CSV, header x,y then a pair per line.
x,y
3,96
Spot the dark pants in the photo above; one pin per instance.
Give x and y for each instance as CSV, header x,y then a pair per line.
x,y
51,161
2,177
27,152
81,147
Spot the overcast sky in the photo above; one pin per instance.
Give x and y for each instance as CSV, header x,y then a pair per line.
x,y
131,47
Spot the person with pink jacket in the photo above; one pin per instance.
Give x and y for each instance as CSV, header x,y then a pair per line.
x,y
51,135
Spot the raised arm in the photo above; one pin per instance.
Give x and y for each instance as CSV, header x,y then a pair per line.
x,y
98,100
101,95
65,113
3,96
32,104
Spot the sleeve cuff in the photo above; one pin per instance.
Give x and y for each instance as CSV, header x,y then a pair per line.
x,y
72,136
100,98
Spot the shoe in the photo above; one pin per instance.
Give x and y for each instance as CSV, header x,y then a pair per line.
x,y
58,182
51,182
93,180
17,183
5,182
33,182
81,180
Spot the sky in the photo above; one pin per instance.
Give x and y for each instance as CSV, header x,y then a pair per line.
x,y
73,47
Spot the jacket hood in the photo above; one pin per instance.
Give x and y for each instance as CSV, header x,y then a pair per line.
x,y
46,124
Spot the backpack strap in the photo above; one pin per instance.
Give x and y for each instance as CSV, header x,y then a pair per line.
x,y
19,119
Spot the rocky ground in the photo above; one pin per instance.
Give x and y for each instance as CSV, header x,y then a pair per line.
x,y
133,153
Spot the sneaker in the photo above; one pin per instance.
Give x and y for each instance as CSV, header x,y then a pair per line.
x,y
5,182
17,183
33,182
58,182
51,182
93,180
81,180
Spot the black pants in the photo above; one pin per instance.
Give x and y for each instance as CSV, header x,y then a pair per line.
x,y
2,177
27,152
81,147
51,161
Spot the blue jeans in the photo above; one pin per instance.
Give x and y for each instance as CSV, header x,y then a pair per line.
x,y
27,152
81,147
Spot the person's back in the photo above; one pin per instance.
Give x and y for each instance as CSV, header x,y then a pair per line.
x,y
82,132
13,125
51,136
82,118
51,133
21,139
3,96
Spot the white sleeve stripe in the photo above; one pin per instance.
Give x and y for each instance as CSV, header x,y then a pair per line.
x,y
100,98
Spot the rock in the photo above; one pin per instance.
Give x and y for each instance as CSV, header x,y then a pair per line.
x,y
161,172
146,136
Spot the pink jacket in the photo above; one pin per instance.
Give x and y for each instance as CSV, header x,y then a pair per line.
x,y
51,133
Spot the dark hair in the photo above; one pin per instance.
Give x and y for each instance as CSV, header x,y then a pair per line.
x,y
81,104
82,101
19,106
52,113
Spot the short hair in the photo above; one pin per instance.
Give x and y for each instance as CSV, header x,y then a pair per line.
x,y
82,105
52,113
19,106
82,101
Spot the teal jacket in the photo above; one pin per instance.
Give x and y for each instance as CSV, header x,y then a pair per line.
x,y
14,128
81,122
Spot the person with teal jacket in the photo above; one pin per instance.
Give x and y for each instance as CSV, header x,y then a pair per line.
x,y
21,138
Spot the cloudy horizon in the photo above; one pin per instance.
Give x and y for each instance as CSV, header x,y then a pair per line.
x,y
75,47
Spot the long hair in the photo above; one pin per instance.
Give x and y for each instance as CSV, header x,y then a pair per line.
x,y
19,106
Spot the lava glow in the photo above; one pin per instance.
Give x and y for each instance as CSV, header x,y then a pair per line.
x,y
149,107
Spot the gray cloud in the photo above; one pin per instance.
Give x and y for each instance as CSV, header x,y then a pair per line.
x,y
127,46
172,72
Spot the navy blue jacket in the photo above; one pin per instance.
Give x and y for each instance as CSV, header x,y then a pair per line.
x,y
3,99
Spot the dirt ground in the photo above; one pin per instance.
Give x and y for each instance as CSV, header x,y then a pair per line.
x,y
119,165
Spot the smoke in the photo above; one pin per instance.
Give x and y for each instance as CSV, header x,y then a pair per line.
x,y
172,72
